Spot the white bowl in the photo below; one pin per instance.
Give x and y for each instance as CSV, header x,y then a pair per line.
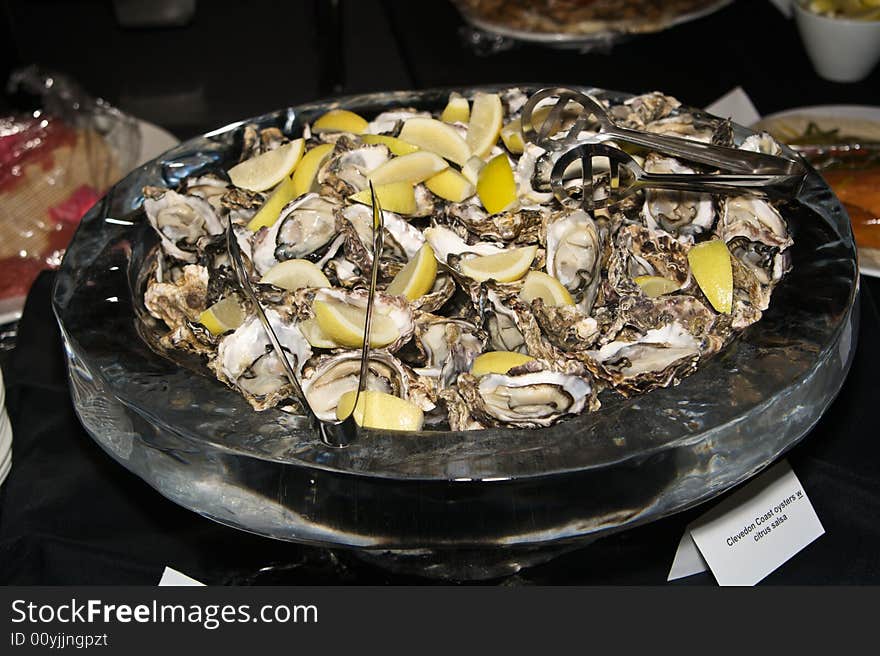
x,y
841,49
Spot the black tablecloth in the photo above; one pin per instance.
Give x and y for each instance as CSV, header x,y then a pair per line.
x,y
69,514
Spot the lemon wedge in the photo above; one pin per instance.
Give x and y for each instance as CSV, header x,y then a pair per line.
x,y
450,185
295,274
413,168
395,145
315,336
307,170
496,186
344,324
711,266
416,278
544,286
654,286
271,209
381,411
437,137
507,266
267,170
223,316
487,115
498,362
511,135
471,169
397,197
457,110
340,120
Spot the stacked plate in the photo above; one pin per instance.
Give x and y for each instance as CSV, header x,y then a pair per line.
x,y
5,435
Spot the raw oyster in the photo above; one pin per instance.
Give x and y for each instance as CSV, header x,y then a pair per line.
x,y
681,214
401,240
448,346
574,252
345,172
180,220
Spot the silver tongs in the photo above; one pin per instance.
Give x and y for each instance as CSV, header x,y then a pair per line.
x,y
626,177
344,432
590,114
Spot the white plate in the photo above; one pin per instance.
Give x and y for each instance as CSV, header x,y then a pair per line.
x,y
869,258
154,142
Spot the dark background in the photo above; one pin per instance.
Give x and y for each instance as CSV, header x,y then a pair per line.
x,y
68,514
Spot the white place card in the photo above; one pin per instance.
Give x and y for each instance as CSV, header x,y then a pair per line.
x,y
171,577
737,106
752,532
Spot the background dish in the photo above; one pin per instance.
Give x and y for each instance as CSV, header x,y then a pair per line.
x,y
466,505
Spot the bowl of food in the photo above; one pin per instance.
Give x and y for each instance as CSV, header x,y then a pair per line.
x,y
571,375
841,37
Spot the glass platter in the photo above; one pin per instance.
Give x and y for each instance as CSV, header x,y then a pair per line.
x,y
449,504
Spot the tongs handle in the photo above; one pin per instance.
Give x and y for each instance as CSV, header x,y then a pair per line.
x,y
769,186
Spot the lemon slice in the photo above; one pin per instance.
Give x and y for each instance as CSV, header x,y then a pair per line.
x,y
436,137
295,274
315,336
340,120
654,286
471,169
344,324
416,278
457,110
413,168
450,185
307,170
397,197
496,186
223,316
507,266
498,362
267,170
544,286
511,135
487,115
381,411
395,145
711,266
271,209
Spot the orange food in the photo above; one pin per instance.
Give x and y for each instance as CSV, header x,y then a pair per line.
x,y
859,191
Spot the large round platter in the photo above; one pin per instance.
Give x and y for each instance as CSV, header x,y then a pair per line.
x,y
463,504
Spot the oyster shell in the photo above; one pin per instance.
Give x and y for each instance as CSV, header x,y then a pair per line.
x,y
180,220
574,252
681,214
448,347
345,171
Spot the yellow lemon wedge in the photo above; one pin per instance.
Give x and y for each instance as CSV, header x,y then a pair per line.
x,y
344,324
450,185
315,336
307,170
295,274
268,214
380,411
654,286
267,170
416,278
223,316
713,271
511,135
457,110
340,120
471,169
437,137
484,127
397,197
395,145
544,286
496,186
413,168
498,362
507,266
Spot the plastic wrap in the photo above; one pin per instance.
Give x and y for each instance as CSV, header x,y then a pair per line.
x,y
54,164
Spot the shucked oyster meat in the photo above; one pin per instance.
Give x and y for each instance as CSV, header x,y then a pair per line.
x,y
496,306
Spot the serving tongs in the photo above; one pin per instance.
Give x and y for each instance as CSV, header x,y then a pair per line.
x,y
572,179
590,114
344,432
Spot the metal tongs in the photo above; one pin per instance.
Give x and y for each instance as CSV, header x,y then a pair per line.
x,y
627,177
591,114
344,432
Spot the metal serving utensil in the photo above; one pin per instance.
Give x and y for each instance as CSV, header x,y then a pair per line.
x,y
627,177
590,113
344,432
